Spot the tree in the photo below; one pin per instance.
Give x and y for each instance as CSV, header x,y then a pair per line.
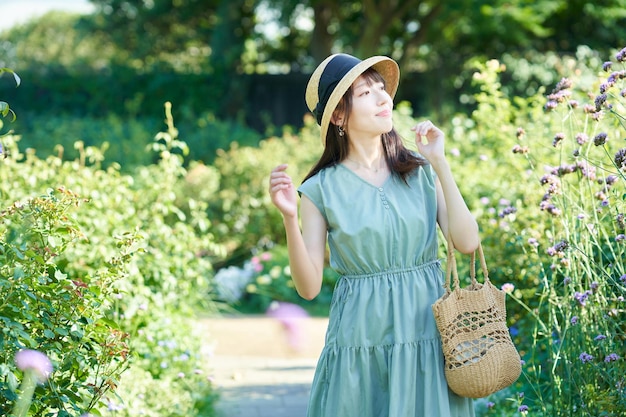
x,y
187,36
423,34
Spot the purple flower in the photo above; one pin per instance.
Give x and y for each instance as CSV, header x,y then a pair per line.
x,y
565,83
623,278
566,280
522,408
594,285
600,139
533,242
607,66
574,320
291,316
620,159
621,55
35,360
581,138
599,101
620,237
561,246
550,105
507,210
582,297
558,138
585,357
490,405
599,337
611,357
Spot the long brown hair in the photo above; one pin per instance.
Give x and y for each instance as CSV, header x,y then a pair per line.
x,y
401,160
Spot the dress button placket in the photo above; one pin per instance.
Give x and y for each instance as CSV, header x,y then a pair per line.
x,y
382,197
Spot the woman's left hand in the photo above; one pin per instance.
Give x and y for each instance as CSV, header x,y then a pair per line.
x,y
429,140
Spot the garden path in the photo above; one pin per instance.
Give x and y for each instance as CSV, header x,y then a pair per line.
x,y
256,369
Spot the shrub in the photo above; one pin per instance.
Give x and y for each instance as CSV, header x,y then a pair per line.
x,y
561,233
266,278
151,301
43,308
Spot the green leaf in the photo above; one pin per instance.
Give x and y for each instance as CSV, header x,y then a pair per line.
x,y
60,276
19,254
12,381
109,323
18,80
48,333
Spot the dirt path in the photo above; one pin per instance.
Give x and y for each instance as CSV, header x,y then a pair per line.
x,y
258,372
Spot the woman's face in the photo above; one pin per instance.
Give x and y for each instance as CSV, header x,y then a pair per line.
x,y
371,107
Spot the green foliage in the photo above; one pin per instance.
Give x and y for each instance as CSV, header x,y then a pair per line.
x,y
46,309
559,234
148,304
265,278
4,106
124,141
243,215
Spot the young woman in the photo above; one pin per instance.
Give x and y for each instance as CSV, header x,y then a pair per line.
x,y
376,204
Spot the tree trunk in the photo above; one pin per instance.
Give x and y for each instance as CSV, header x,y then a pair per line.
x,y
321,40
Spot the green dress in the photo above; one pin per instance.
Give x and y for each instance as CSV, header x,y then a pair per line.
x,y
382,356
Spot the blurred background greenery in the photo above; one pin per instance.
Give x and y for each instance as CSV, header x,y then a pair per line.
x,y
182,193
235,70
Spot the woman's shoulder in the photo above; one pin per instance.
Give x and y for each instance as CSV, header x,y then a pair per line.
x,y
321,177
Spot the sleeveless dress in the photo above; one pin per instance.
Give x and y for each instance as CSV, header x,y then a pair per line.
x,y
382,355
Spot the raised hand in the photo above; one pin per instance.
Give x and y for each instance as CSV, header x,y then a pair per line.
x,y
283,192
429,140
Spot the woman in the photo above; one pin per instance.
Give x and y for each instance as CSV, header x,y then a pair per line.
x,y
376,204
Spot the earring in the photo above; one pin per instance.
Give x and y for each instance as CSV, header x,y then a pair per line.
x,y
341,131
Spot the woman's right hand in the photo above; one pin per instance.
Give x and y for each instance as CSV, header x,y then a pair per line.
x,y
283,192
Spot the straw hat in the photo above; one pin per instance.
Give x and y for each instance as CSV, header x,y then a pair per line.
x,y
332,78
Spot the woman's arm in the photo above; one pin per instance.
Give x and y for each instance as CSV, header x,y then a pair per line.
x,y
306,248
453,215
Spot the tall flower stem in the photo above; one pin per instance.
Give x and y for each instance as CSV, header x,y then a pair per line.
x,y
28,389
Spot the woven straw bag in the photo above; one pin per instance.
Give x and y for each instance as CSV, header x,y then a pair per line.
x,y
480,357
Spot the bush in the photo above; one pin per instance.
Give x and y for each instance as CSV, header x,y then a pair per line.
x,y
125,140
44,308
151,301
559,236
265,278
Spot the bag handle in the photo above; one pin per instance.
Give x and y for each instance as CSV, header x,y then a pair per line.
x,y
451,269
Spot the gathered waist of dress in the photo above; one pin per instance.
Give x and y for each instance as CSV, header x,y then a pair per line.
x,y
393,271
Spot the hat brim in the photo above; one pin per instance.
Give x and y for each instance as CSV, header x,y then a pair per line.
x,y
385,66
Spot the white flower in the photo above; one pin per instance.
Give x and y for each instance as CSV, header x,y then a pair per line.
x,y
231,282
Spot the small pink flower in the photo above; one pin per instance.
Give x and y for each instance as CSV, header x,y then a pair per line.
x,y
266,256
35,360
508,288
